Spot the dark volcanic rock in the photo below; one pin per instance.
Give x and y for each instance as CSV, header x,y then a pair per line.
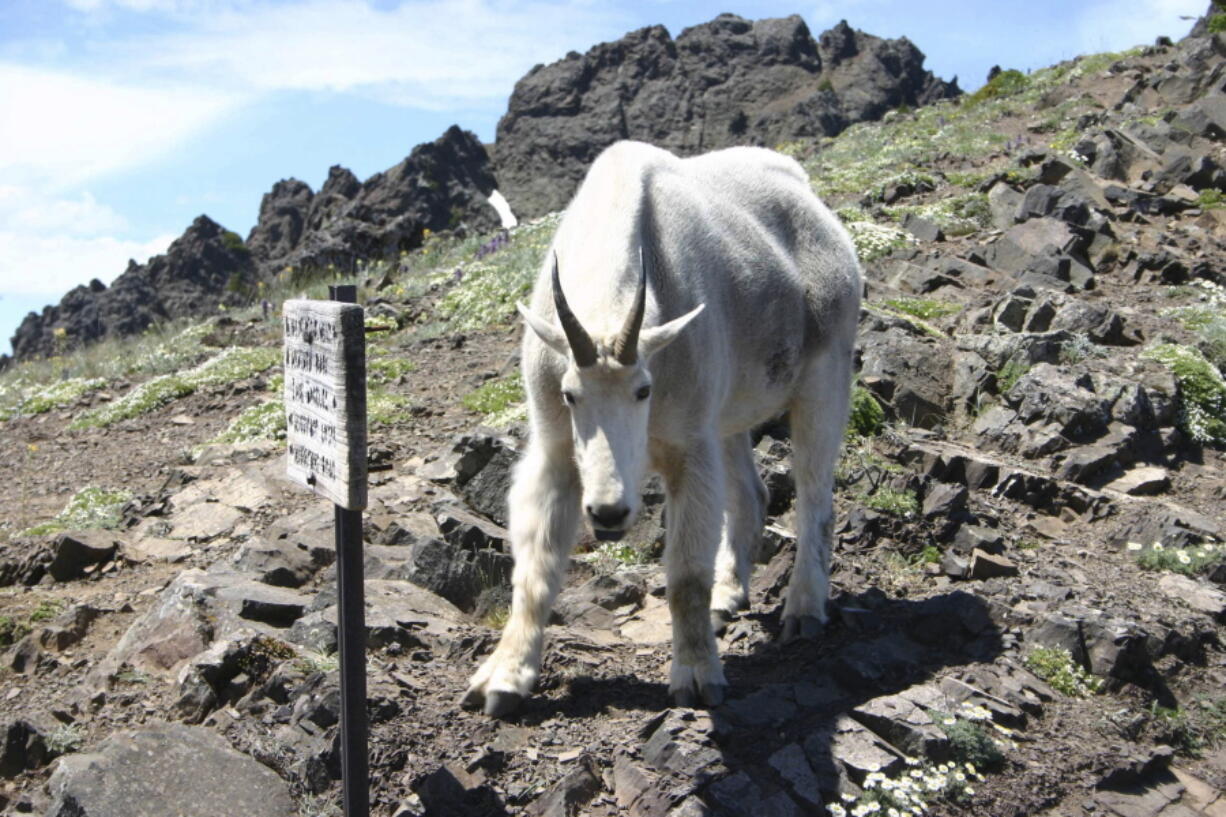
x,y
78,551
441,185
204,267
166,769
727,82
283,212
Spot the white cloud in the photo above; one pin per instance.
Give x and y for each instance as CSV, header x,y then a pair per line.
x,y
63,129
52,265
1119,24
163,6
425,53
23,211
49,244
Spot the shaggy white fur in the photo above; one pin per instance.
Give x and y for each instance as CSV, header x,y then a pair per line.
x,y
751,300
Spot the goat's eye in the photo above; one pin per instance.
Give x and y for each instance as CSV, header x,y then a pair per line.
x,y
643,393
569,397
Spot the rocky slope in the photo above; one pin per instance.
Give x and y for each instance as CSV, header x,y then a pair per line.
x,y
727,82
1028,573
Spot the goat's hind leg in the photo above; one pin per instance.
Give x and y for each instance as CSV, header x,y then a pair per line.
x,y
744,516
543,505
817,420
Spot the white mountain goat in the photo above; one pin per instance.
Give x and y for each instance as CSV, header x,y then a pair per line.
x,y
683,302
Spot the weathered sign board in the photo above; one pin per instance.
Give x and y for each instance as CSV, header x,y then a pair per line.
x,y
325,399
325,415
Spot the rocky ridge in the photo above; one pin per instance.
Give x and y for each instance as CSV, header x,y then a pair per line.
x,y
727,82
205,267
1035,451
441,186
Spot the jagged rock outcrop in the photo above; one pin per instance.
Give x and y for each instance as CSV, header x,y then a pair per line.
x,y
441,185
727,82
1201,27
206,266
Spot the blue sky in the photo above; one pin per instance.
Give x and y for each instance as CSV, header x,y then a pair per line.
x,y
122,120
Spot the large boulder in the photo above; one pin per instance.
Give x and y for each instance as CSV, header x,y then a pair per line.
x,y
727,82
166,769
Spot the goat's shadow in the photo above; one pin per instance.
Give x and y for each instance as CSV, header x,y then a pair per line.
x,y
787,702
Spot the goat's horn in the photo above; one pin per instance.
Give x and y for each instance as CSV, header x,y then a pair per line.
x,y
626,347
581,345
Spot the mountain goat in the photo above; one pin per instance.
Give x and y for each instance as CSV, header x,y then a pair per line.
x,y
683,302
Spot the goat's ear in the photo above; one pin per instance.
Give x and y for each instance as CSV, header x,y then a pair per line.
x,y
657,337
552,336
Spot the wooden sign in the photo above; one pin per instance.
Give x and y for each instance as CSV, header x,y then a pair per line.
x,y
325,399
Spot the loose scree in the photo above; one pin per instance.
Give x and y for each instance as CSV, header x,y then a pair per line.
x,y
683,302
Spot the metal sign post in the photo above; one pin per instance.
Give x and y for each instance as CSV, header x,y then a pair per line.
x,y
325,409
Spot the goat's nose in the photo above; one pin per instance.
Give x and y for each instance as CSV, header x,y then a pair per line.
x,y
608,516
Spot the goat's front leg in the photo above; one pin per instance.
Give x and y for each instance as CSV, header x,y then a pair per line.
x,y
543,506
694,478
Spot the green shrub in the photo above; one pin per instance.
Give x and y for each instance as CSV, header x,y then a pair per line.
x,y
233,241
37,400
263,421
90,507
623,553
1055,665
47,609
970,743
388,369
66,738
385,407
1189,561
925,309
1194,728
888,500
873,241
1210,199
309,663
1009,374
1006,83
488,287
1202,391
1217,23
496,396
12,631
233,364
867,417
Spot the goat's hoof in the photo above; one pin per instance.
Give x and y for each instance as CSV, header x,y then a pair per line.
x,y
801,627
473,699
685,698
499,704
707,695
